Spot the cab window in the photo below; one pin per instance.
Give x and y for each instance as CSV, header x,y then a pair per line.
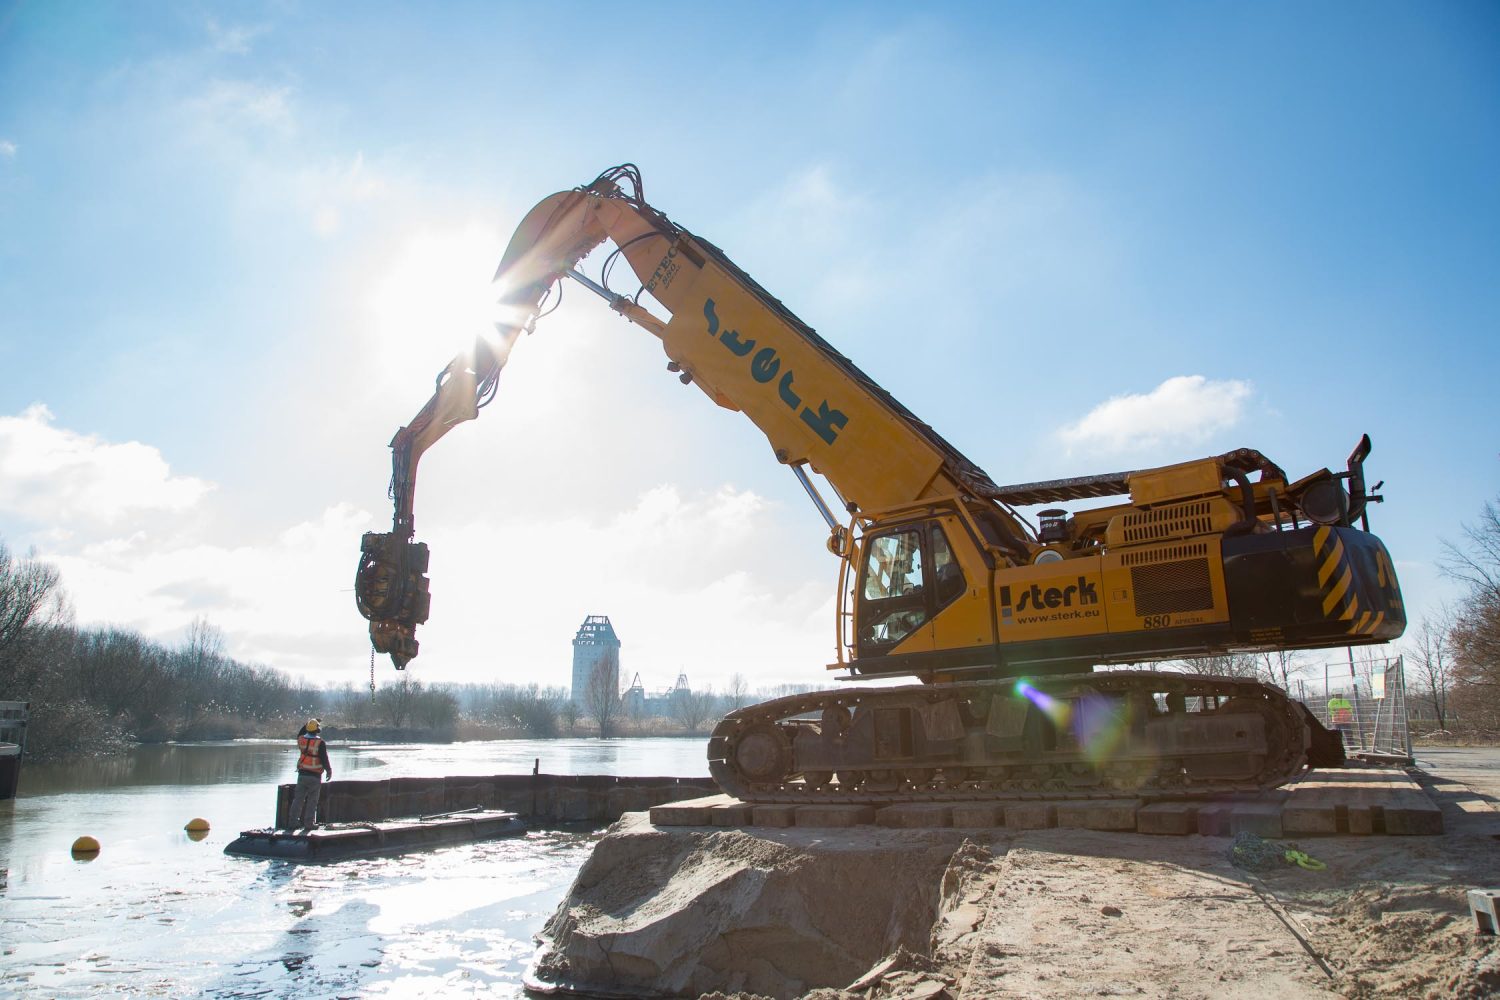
x,y
950,579
909,576
894,566
894,593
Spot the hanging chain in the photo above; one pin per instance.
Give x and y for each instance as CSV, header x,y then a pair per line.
x,y
372,673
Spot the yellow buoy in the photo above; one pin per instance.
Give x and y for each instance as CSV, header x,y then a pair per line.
x,y
195,825
85,846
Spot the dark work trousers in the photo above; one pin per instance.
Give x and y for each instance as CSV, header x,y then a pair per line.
x,y
305,800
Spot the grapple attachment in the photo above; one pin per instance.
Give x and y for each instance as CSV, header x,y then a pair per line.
x,y
391,590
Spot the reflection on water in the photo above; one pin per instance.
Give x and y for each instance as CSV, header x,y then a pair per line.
x,y
157,914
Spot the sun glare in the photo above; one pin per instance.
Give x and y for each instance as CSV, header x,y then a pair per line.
x,y
433,297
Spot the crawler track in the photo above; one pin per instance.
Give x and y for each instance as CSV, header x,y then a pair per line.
x,y
1097,735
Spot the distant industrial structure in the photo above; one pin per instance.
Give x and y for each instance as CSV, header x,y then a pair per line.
x,y
638,702
592,647
596,646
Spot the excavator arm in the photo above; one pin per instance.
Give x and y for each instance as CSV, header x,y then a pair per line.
x,y
725,334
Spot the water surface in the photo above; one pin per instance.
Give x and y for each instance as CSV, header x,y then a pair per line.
x,y
158,914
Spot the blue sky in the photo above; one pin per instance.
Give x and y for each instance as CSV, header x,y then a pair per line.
x,y
237,241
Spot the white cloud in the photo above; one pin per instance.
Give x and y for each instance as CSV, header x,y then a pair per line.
x,y
8,149
237,104
233,39
689,582
1185,409
57,476
283,600
333,190
696,584
708,583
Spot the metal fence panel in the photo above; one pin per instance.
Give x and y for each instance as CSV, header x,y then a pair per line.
x,y
1364,701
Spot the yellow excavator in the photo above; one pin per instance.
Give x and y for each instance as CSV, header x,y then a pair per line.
x,y
940,578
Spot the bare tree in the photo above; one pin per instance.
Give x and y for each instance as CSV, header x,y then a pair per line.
x,y
635,714
396,701
601,698
1227,665
690,709
1278,666
567,713
353,707
738,691
1431,658
199,664
31,601
1475,633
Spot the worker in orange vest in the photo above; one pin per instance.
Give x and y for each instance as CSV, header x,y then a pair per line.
x,y
312,764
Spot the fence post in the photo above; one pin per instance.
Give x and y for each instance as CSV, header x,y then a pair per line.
x,y
1405,715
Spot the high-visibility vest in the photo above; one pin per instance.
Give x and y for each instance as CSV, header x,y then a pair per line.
x,y
1341,710
309,759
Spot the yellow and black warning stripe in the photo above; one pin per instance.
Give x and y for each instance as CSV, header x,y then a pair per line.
x,y
1336,581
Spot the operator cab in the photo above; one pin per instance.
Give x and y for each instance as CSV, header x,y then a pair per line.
x,y
909,574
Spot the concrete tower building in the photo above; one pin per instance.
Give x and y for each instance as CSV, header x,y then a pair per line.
x,y
593,644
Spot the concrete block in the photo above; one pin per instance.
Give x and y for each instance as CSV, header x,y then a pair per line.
x,y
835,815
915,815
1260,818
1031,816
978,815
1213,819
1482,907
1297,818
684,793
774,815
1170,818
1098,814
692,812
1365,820
1410,816
732,813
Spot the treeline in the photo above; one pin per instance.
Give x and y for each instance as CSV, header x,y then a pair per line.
x,y
97,690
1453,661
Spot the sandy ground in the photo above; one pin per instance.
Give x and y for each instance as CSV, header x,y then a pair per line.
x,y
929,915
1061,913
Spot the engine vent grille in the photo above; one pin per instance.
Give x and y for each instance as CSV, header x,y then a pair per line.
x,y
1170,587
1177,521
1171,553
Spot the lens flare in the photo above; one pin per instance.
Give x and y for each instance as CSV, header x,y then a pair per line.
x,y
1058,711
1100,725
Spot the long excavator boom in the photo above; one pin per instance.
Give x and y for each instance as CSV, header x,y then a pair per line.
x,y
726,334
940,577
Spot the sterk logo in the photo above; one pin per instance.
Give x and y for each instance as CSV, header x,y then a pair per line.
x,y
1035,598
